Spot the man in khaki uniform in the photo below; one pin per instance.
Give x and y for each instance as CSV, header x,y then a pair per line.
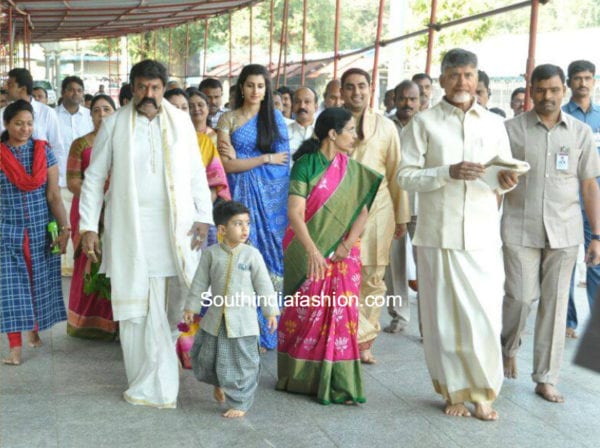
x,y
541,226
378,147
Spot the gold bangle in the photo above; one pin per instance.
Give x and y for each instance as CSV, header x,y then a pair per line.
x,y
269,158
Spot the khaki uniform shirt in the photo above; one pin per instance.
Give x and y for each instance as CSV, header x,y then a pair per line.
x,y
380,151
545,204
240,276
453,214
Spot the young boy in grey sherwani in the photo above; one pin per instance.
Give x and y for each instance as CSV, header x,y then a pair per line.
x,y
225,352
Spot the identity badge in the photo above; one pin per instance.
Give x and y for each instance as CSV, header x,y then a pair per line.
x,y
562,159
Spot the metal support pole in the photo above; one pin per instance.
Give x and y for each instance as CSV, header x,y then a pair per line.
x,y
336,39
143,45
25,43
170,45
205,47
431,35
187,52
374,82
155,43
304,13
251,40
11,40
271,36
535,6
230,47
282,40
109,62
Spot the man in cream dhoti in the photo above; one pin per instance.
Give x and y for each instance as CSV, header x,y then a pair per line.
x,y
378,148
459,257
158,192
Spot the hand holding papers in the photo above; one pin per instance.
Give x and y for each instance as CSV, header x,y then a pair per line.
x,y
496,165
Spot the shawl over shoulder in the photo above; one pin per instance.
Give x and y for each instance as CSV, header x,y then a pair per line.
x,y
189,201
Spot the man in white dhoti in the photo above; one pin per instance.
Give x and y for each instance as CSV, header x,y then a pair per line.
x,y
459,257
158,192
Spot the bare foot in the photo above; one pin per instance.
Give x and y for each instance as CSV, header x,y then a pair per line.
x,y
219,395
570,333
457,410
510,366
33,339
234,413
550,393
485,412
366,357
14,358
394,327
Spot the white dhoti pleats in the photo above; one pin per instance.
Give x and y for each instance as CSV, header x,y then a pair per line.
x,y
149,353
461,308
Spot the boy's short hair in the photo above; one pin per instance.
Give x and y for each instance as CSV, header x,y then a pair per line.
x,y
224,211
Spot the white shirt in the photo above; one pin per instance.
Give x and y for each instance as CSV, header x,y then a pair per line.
x,y
153,199
75,125
45,127
297,134
453,214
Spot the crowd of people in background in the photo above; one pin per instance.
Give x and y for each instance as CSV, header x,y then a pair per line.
x,y
175,199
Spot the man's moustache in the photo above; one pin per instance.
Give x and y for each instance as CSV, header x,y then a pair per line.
x,y
149,100
302,111
407,109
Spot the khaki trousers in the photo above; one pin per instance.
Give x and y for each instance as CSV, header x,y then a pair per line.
x,y
532,274
396,276
372,286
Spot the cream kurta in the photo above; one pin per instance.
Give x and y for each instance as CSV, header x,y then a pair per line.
x,y
453,214
380,151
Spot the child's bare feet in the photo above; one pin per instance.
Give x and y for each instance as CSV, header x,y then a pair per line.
x,y
33,339
14,358
219,395
234,413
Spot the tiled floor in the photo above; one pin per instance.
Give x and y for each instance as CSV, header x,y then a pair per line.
x,y
68,394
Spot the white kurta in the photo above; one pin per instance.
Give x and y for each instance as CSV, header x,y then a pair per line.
x,y
459,262
153,199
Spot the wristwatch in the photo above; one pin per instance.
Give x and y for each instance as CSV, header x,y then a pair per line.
x,y
595,236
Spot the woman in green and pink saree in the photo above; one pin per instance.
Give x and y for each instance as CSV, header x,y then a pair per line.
x,y
329,198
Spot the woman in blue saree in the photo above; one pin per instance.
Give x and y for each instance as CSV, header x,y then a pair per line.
x,y
253,143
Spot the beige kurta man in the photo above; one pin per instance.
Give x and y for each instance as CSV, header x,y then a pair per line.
x,y
380,151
